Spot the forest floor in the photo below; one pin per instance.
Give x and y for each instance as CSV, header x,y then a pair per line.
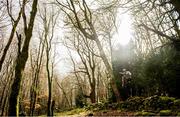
x,y
110,112
133,106
83,112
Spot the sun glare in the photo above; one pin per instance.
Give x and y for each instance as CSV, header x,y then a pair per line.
x,y
123,34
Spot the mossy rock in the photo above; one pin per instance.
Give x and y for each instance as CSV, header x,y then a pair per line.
x,y
123,105
144,113
134,103
176,105
166,102
165,112
166,98
177,102
158,103
113,106
178,114
120,105
152,103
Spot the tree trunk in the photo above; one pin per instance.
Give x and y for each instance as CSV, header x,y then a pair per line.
x,y
49,100
91,34
49,76
35,83
4,105
15,89
109,69
177,67
52,108
10,40
93,94
49,81
20,65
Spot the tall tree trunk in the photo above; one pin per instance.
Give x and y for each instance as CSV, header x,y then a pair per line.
x,y
22,57
5,95
109,69
35,83
177,68
64,93
4,105
76,21
10,39
49,99
49,76
93,94
49,91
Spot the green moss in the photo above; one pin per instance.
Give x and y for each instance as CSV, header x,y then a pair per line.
x,y
177,102
143,113
134,103
178,114
165,112
165,98
157,103
72,112
151,103
176,105
97,106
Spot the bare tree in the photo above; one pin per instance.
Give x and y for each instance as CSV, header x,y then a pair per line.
x,y
83,22
64,92
86,51
49,23
36,67
21,59
6,86
14,26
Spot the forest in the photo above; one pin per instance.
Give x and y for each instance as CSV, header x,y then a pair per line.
x,y
89,57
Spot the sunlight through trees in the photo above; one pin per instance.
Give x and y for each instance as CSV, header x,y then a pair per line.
x,y
87,56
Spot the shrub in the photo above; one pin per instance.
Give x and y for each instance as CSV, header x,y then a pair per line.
x,y
80,100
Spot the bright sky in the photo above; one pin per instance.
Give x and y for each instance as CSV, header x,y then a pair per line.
x,y
124,33
122,37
